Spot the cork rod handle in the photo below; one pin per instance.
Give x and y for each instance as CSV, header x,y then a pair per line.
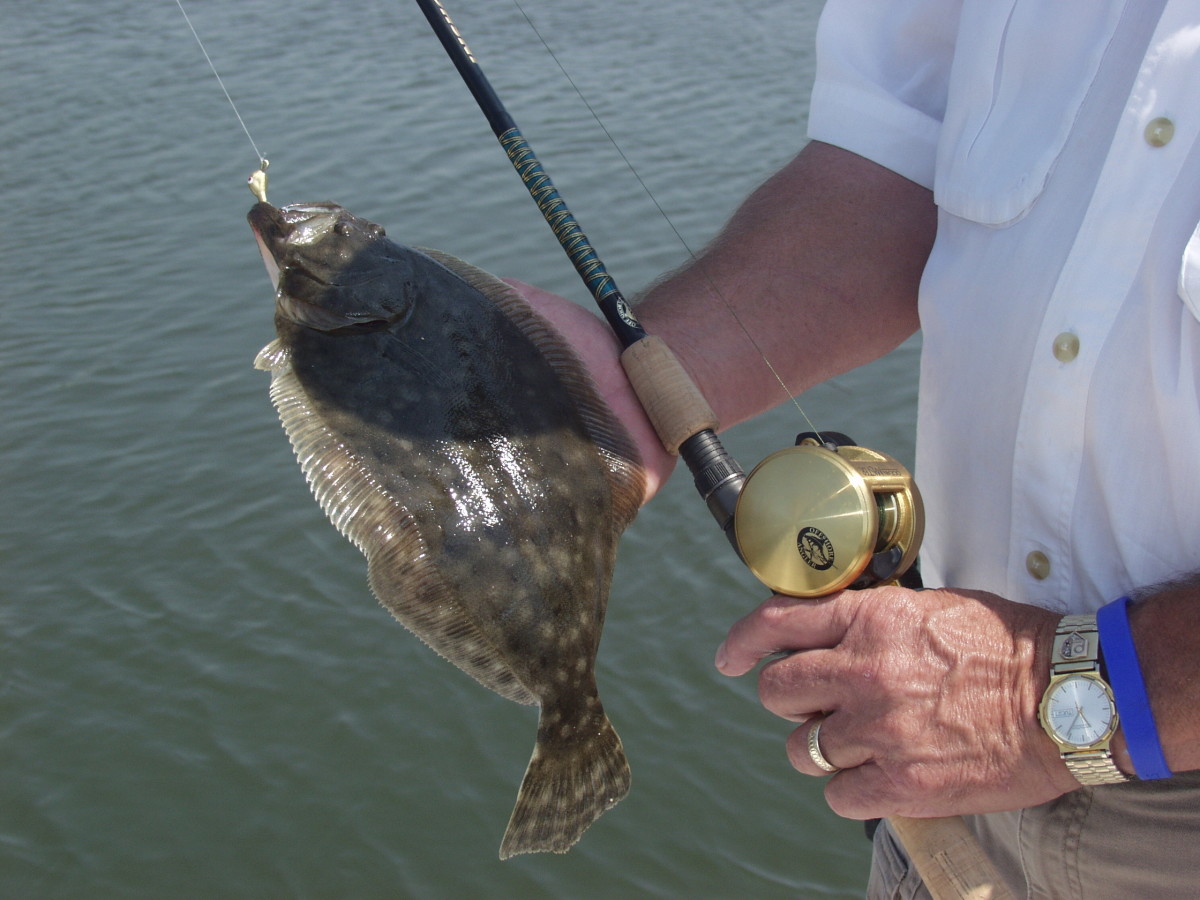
x,y
667,393
950,859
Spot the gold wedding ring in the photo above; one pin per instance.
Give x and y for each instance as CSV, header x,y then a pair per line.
x,y
814,749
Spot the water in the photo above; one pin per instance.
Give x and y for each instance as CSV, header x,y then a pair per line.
x,y
199,697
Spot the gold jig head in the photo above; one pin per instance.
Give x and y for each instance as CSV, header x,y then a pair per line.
x,y
258,181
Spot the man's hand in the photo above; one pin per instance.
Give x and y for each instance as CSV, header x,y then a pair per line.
x,y
930,697
600,351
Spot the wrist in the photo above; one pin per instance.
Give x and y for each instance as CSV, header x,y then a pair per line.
x,y
1047,750
1120,753
1078,711
1139,732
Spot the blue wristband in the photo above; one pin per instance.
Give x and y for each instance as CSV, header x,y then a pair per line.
x,y
1129,690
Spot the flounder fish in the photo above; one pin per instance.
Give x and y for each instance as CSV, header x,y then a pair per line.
x,y
449,432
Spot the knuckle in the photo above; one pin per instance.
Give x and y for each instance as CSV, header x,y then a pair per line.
x,y
777,686
775,611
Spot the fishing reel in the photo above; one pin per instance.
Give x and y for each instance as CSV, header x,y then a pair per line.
x,y
810,520
821,516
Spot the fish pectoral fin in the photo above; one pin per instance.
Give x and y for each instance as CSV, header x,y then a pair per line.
x,y
578,771
410,587
272,357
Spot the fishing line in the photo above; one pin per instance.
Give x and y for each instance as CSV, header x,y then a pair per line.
x,y
258,179
666,217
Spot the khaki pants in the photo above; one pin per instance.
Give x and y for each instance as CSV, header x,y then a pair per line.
x,y
1136,841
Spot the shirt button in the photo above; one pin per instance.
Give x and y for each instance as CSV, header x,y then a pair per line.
x,y
1160,131
1066,347
1038,565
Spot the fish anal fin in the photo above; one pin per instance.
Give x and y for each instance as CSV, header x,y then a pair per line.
x,y
578,771
408,584
400,567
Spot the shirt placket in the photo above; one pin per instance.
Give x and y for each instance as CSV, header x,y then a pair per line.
x,y
1095,282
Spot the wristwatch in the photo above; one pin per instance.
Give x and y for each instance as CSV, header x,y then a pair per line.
x,y
1077,709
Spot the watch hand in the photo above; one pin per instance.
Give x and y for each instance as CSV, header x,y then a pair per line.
x,y
1078,716
1085,720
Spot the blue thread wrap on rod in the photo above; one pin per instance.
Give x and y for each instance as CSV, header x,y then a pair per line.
x,y
587,263
557,216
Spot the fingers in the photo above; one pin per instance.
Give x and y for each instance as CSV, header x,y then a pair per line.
x,y
810,681
600,351
784,625
805,751
857,786
925,702
808,678
803,684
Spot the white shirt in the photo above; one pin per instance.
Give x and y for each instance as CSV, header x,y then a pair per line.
x,y
1059,416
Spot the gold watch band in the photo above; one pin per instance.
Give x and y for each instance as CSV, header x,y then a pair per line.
x,y
1077,650
1092,767
1076,645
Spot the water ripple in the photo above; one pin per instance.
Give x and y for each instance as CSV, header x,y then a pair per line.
x,y
201,698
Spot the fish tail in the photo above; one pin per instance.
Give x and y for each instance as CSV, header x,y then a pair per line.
x,y
577,772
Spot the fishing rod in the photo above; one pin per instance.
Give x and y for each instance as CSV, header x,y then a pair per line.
x,y
808,521
682,418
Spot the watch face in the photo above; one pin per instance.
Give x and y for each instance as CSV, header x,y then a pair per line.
x,y
1079,711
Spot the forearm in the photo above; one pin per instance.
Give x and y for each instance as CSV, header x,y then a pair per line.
x,y
821,265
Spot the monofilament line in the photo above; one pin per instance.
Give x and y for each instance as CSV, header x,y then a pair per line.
x,y
261,159
666,218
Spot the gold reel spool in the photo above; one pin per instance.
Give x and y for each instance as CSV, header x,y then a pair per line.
x,y
811,520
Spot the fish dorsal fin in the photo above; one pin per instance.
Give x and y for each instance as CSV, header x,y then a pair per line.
x,y
626,474
402,572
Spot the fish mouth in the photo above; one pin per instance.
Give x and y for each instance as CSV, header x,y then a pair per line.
x,y
271,232
276,229
308,250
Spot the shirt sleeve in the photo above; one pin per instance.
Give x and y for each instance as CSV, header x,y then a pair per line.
x,y
881,80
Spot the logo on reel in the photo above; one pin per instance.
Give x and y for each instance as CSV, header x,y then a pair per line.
x,y
815,548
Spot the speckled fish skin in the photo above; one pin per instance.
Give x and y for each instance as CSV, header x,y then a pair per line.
x,y
450,433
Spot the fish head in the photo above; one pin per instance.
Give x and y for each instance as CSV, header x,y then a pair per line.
x,y
327,265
